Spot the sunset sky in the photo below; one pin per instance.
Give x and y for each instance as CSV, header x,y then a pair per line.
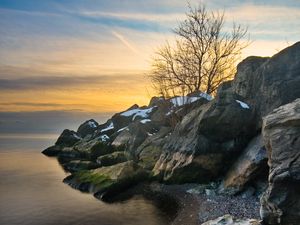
x,y
89,57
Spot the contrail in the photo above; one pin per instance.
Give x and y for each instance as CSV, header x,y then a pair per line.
x,y
125,42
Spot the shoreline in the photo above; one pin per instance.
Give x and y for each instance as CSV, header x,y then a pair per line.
x,y
181,205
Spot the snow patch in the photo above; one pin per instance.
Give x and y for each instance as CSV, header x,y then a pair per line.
x,y
206,96
92,124
124,128
145,121
76,136
243,104
104,138
109,127
182,100
144,113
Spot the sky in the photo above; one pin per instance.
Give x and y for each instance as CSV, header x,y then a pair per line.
x,y
68,59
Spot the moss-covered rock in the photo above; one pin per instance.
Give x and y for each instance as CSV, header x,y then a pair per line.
x,y
107,181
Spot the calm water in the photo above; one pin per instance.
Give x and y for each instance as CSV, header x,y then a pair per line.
x,y
32,192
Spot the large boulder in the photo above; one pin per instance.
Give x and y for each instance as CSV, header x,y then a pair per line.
x,y
280,204
150,150
267,83
251,164
207,140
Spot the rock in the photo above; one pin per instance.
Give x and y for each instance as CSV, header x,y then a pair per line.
x,y
251,163
280,204
68,138
52,151
123,119
184,168
267,83
149,156
155,101
87,128
67,154
78,165
206,141
106,182
101,149
135,134
150,150
113,158
105,131
230,220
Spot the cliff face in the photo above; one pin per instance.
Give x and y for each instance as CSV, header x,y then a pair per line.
x,y
193,138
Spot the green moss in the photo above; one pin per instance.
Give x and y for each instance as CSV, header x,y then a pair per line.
x,y
94,178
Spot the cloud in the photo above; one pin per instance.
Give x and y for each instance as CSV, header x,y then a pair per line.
x,y
51,122
41,82
133,16
41,104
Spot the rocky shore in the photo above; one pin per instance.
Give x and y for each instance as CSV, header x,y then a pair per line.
x,y
240,149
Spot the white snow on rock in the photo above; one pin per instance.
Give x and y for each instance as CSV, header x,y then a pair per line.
x,y
206,96
145,121
144,113
124,128
76,136
109,127
243,104
104,138
92,124
182,100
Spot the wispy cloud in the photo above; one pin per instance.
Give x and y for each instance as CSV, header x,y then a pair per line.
x,y
125,42
151,17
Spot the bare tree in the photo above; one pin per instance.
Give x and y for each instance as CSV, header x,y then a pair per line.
x,y
204,54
